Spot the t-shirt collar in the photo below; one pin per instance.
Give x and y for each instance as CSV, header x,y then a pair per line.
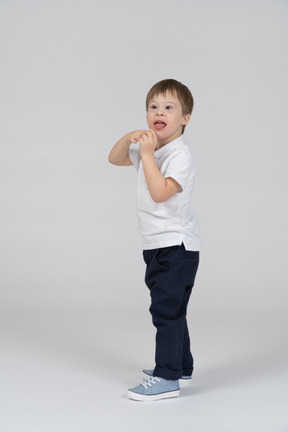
x,y
167,147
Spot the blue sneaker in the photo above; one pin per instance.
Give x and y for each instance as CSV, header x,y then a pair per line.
x,y
153,389
184,381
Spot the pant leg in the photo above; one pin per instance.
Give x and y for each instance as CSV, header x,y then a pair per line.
x,y
187,357
170,277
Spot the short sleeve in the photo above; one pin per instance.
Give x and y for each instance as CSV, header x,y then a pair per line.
x,y
134,155
181,168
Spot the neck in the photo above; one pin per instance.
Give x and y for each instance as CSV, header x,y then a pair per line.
x,y
162,143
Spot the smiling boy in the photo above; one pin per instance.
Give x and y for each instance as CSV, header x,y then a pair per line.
x,y
169,231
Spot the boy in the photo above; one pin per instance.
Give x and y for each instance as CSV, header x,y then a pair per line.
x,y
169,231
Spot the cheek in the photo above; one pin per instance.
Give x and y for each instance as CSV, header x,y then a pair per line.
x,y
149,120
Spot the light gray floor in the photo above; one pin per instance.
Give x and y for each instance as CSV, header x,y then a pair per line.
x,y
68,371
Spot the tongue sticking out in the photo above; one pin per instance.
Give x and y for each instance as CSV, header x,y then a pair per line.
x,y
159,126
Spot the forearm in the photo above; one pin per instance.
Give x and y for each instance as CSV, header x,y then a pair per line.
x,y
160,188
119,154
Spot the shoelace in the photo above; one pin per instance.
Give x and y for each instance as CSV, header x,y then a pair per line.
x,y
150,382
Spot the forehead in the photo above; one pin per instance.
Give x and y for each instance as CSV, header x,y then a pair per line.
x,y
165,97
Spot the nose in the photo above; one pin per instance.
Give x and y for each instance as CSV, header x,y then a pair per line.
x,y
159,111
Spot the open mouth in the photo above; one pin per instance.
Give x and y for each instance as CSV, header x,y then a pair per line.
x,y
159,125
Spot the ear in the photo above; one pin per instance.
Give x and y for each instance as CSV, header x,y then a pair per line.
x,y
186,119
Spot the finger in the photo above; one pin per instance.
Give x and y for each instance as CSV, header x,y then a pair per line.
x,y
139,137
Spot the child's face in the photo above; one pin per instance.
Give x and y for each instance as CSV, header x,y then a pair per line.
x,y
165,116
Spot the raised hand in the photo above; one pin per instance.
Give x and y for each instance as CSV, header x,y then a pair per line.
x,y
136,135
148,142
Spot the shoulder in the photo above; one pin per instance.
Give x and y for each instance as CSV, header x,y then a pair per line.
x,y
182,155
134,155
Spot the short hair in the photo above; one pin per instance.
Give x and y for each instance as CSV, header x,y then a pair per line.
x,y
177,88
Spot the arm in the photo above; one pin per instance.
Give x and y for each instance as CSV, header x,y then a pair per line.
x,y
160,188
119,154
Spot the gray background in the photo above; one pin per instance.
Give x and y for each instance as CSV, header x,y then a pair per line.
x,y
75,330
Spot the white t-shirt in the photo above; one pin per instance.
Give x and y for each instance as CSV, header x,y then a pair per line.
x,y
174,221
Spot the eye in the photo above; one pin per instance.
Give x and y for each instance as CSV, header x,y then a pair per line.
x,y
153,106
168,107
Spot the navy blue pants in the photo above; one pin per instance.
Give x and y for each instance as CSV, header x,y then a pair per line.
x,y
170,276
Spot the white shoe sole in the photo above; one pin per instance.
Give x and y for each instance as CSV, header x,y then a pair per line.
x,y
185,382
182,382
151,398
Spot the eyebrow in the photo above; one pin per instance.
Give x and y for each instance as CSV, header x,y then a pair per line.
x,y
168,102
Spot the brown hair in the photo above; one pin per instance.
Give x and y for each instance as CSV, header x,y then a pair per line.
x,y
177,88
